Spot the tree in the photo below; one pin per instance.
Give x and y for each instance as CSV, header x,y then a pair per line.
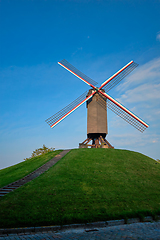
x,y
40,151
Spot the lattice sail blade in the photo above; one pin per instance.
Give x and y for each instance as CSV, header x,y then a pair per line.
x,y
59,116
77,73
118,76
124,113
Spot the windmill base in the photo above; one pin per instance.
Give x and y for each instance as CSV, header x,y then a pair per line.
x,y
98,142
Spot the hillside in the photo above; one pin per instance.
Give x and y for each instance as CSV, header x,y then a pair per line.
x,y
22,169
86,185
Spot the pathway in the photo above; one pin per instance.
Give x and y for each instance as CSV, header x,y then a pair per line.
x,y
12,186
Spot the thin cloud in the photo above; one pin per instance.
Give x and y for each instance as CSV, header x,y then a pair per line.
x,y
142,90
135,139
143,93
140,93
158,36
78,49
147,73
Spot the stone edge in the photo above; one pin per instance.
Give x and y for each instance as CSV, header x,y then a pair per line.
x,y
85,226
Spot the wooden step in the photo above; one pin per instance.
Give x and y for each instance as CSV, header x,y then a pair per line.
x,y
3,192
7,189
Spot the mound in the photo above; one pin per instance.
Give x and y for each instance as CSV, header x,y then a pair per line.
x,y
86,185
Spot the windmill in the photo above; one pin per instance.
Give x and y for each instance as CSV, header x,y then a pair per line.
x,y
98,100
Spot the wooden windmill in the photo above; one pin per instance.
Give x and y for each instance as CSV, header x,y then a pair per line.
x,y
97,101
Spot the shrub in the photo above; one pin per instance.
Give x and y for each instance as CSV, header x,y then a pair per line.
x,y
40,151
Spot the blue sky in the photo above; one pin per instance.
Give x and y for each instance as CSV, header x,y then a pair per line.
x,y
97,37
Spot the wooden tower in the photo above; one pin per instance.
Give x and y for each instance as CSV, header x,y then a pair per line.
x,y
97,128
96,118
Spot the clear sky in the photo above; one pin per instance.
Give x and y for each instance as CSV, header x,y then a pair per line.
x,y
96,36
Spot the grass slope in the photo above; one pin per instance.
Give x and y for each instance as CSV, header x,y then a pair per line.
x,y
20,170
86,185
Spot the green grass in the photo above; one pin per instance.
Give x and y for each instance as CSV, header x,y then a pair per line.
x,y
20,170
84,186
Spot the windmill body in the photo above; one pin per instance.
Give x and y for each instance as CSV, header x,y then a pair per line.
x,y
96,117
96,99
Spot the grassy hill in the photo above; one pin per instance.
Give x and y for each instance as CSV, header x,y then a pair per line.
x,y
84,186
20,170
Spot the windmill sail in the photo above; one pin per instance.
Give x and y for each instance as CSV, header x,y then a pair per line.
x,y
126,116
77,73
124,113
118,78
59,116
